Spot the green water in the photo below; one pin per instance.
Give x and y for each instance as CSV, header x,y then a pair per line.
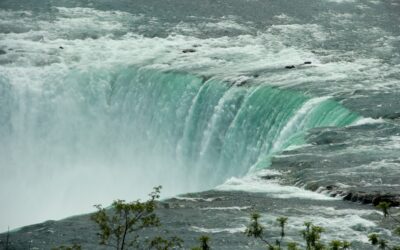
x,y
206,129
213,129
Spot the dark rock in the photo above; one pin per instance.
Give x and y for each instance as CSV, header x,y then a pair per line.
x,y
372,198
61,47
188,50
392,199
270,177
331,187
307,62
256,75
324,137
290,67
2,52
241,83
392,116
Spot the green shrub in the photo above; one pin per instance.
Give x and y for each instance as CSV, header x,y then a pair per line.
x,y
120,226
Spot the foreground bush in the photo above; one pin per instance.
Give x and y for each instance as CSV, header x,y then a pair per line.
x,y
312,234
376,239
120,226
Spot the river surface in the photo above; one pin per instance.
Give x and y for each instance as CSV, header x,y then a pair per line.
x,y
291,105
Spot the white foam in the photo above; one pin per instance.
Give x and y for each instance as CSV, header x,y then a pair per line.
x,y
346,227
341,1
344,224
271,188
226,24
331,211
296,122
224,56
226,208
103,40
367,172
197,199
219,230
367,120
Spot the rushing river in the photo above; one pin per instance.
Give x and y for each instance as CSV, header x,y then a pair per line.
x,y
106,99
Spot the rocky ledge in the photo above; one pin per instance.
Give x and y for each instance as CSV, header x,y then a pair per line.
x,y
359,163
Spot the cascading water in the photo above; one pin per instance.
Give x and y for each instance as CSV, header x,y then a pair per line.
x,y
94,135
257,102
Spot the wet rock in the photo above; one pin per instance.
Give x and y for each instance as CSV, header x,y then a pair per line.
x,y
188,50
394,200
61,47
331,187
329,164
369,197
392,116
270,177
372,198
290,67
321,137
307,62
241,83
2,52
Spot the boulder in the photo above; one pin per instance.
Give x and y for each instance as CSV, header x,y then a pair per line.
x,y
188,50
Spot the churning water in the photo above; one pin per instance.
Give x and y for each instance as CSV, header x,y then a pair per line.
x,y
103,100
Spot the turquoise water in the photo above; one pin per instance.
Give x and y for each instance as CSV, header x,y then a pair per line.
x,y
98,100
207,128
116,132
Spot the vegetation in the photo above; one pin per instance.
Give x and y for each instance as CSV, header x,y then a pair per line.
x,y
256,230
120,226
311,234
377,240
204,240
73,247
160,243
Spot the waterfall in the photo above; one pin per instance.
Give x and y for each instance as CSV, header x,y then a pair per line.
x,y
94,135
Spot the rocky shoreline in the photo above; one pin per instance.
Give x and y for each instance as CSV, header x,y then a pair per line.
x,y
332,161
